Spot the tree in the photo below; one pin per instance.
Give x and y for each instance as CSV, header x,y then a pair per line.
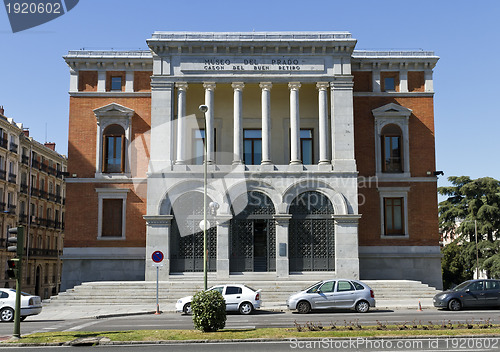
x,y
470,203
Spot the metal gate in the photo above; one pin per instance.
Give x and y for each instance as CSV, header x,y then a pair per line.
x,y
253,234
186,238
311,233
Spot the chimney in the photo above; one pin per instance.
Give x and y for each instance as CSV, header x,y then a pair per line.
x,y
26,132
50,145
2,111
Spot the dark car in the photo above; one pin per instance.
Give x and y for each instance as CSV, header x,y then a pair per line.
x,y
470,294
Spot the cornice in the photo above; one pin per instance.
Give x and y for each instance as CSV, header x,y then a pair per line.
x,y
277,43
141,60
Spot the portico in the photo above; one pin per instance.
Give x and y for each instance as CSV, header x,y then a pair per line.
x,y
274,109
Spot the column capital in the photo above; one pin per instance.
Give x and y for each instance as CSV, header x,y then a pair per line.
x,y
209,85
322,85
181,85
294,85
265,85
238,85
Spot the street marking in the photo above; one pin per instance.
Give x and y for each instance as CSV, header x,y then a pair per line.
x,y
78,327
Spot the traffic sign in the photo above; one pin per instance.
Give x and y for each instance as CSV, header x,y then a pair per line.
x,y
157,256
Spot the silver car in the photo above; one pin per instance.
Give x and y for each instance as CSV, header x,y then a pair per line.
x,y
339,293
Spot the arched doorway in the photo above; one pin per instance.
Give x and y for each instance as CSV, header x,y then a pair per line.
x,y
253,234
311,233
186,240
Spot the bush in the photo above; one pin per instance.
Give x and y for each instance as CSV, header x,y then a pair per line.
x,y
209,311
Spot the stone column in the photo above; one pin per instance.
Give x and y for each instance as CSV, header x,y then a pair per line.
x,y
158,230
238,123
346,246
266,122
294,124
376,86
342,125
73,80
429,83
282,262
403,81
181,122
223,247
129,81
323,122
101,80
209,115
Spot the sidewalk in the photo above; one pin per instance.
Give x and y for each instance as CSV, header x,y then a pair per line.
x,y
70,312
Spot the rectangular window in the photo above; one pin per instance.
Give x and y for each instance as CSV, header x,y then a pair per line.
x,y
389,84
306,146
393,216
116,83
392,154
113,157
199,146
252,147
112,217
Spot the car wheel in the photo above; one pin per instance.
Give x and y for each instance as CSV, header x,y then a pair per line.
x,y
362,306
7,314
187,309
246,308
303,307
454,304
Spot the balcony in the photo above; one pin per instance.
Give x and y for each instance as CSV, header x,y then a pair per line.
x,y
35,163
12,178
3,175
37,252
24,188
51,197
13,147
2,206
34,192
23,218
52,171
11,209
4,142
44,167
25,159
42,193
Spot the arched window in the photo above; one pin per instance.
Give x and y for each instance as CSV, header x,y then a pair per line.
x,y
391,136
113,149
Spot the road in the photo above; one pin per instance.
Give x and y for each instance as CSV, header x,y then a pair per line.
x,y
418,345
260,319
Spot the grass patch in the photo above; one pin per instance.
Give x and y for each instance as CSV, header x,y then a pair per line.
x,y
237,334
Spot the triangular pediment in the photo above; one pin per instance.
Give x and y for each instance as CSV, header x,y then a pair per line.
x,y
113,109
391,109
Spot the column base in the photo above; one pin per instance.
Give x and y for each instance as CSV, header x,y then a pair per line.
x,y
267,167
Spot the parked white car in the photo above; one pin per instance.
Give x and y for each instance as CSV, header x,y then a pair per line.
x,y
238,298
339,293
30,305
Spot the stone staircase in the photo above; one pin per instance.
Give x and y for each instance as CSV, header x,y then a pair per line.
x,y
388,293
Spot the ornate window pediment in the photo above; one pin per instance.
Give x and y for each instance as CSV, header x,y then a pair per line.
x,y
392,148
107,116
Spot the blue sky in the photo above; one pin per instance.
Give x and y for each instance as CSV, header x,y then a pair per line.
x,y
34,79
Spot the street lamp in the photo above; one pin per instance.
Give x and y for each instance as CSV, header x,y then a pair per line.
x,y
204,109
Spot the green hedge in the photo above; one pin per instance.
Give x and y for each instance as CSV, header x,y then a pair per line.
x,y
209,311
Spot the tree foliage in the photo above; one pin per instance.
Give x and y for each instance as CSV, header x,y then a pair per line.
x,y
471,203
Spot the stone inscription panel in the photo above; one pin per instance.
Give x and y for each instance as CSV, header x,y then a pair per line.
x,y
247,65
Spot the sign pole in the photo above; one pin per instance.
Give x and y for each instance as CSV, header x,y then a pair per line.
x,y
157,304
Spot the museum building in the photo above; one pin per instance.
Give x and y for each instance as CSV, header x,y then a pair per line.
x,y
320,159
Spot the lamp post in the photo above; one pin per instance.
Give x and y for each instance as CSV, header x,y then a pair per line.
x,y
204,109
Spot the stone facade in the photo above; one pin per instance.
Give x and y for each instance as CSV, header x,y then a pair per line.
x,y
291,118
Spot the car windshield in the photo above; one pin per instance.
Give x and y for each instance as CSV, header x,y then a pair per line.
x,y
461,286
